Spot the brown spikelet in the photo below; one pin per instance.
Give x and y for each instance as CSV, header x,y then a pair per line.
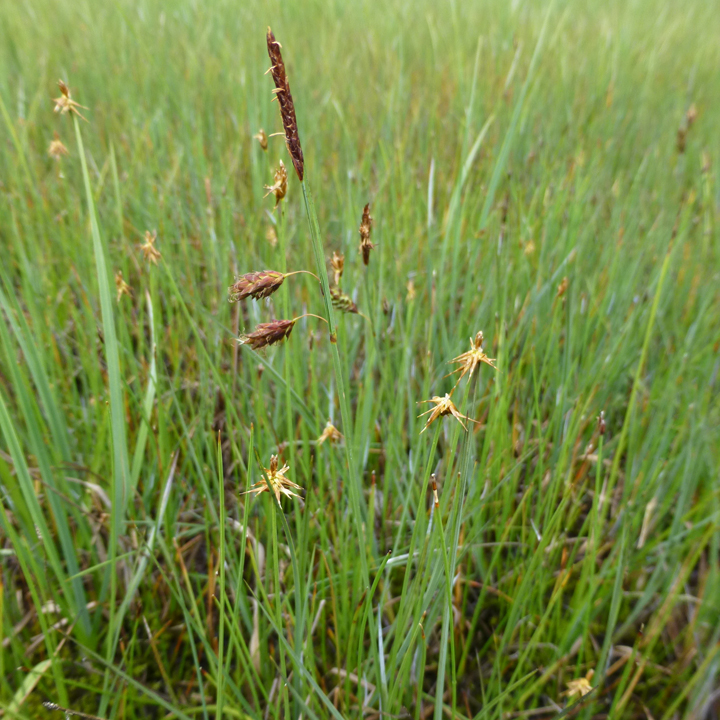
x,y
65,104
255,285
279,188
287,106
365,229
443,406
469,361
341,301
268,333
56,149
262,138
338,265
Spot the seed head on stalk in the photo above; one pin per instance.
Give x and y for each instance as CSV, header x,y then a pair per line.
x,y
443,406
279,188
269,333
342,302
149,251
287,106
260,284
365,229
65,104
338,265
272,332
262,138
278,482
330,433
57,149
470,360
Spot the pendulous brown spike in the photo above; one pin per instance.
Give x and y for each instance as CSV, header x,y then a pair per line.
x,y
268,333
287,106
255,285
341,301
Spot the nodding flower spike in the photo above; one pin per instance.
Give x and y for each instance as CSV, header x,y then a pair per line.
x,y
287,106
342,302
255,285
266,334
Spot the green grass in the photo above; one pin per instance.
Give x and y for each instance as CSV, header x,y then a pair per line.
x,y
507,149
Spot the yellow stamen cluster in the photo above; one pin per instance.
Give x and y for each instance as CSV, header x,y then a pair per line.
x,y
279,189
278,482
149,251
65,104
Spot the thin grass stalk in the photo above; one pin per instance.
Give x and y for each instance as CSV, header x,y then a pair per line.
x,y
221,555
121,467
277,604
445,630
355,488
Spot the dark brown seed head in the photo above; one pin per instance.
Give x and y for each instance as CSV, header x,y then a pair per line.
x,y
268,334
255,285
602,427
365,229
287,106
341,301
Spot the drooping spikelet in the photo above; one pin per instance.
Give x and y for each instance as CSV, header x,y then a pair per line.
x,y
287,106
341,301
266,334
365,229
65,104
255,285
279,189
278,482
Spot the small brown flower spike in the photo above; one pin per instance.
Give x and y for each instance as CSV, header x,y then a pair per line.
x,y
287,106
443,406
262,138
338,265
266,334
580,686
365,229
56,149
278,482
342,302
149,251
471,359
121,286
65,104
279,189
330,433
255,285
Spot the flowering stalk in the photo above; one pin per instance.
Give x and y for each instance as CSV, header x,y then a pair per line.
x,y
355,489
292,140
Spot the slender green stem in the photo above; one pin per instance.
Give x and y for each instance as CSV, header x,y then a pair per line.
x,y
357,502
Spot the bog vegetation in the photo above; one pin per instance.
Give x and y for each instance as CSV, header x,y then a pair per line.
x,y
395,397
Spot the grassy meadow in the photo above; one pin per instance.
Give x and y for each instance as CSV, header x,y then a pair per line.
x,y
545,173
